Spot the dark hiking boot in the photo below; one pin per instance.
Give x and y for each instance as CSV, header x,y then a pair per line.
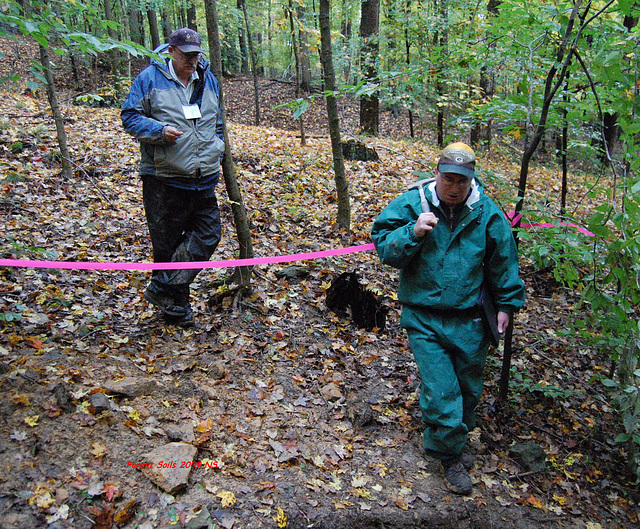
x,y
467,459
186,320
456,477
165,303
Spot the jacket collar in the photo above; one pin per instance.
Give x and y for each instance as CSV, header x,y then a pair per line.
x,y
430,184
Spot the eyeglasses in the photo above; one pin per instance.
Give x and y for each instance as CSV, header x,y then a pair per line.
x,y
188,57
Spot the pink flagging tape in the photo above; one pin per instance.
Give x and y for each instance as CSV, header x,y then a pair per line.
x,y
515,218
74,265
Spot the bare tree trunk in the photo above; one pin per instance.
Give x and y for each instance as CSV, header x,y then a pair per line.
x,y
254,69
305,62
136,26
242,275
242,41
127,36
296,55
342,187
191,16
565,134
113,54
166,23
57,114
480,135
346,28
440,39
369,26
407,43
555,78
153,28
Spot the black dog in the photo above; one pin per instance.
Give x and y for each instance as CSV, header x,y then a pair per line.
x,y
346,292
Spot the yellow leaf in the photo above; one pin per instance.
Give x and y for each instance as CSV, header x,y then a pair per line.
x,y
227,498
135,415
205,426
21,399
42,498
516,133
32,420
560,499
381,470
280,519
361,493
99,449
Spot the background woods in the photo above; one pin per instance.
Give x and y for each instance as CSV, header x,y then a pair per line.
x,y
310,415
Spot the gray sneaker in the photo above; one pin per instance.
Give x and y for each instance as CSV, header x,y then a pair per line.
x,y
456,477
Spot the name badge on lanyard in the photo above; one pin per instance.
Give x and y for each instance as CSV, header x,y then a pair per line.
x,y
191,111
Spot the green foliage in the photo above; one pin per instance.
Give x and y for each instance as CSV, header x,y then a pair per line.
x,y
12,176
563,250
15,314
298,106
108,96
611,293
45,23
523,382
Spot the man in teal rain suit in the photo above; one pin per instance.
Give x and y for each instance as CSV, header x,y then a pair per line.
x,y
447,238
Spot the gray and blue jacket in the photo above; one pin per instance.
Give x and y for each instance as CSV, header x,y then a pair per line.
x,y
155,101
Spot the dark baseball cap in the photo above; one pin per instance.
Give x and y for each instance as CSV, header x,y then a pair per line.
x,y
458,158
186,40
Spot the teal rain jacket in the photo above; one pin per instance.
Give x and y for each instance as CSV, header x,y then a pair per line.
x,y
445,269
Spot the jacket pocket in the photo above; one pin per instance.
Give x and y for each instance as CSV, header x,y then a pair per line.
x,y
176,159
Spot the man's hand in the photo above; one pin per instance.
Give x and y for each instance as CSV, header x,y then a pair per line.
x,y
171,134
503,322
426,222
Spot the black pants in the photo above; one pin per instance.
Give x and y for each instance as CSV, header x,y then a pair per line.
x,y
184,225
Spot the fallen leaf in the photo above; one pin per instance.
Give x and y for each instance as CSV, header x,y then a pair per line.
x,y
205,426
99,449
126,513
32,420
111,491
42,498
103,518
21,398
280,518
535,502
227,498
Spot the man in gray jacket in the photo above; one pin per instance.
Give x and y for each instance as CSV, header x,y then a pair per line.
x,y
173,109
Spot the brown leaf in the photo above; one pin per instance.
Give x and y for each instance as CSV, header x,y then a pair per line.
x,y
126,513
103,518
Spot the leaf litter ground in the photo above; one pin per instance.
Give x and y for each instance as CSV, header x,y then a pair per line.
x,y
311,421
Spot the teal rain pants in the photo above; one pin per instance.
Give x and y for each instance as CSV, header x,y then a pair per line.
x,y
451,351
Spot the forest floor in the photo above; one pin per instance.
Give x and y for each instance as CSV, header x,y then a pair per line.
x,y
293,416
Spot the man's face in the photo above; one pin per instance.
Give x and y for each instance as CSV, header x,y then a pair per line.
x,y
183,63
452,188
